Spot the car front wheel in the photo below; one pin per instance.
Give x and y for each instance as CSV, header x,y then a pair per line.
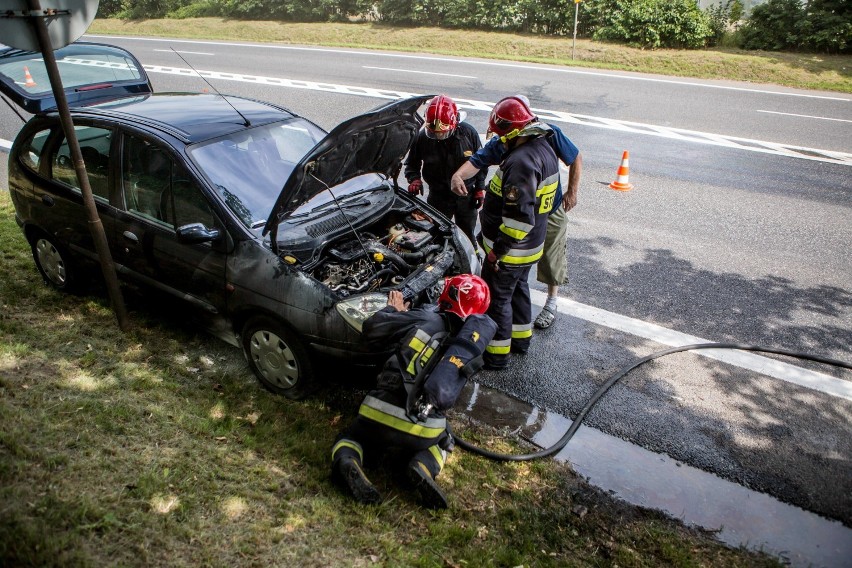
x,y
277,357
53,262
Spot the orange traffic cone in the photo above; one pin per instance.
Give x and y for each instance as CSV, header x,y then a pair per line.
x,y
621,183
29,78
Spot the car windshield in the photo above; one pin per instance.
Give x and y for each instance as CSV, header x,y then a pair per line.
x,y
249,167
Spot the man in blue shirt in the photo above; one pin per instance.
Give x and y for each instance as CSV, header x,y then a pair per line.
x,y
552,269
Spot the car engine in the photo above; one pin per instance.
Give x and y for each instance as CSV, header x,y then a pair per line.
x,y
393,255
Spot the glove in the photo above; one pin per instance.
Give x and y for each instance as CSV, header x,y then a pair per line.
x,y
415,187
491,260
479,198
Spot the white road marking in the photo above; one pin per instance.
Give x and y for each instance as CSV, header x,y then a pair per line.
x,y
804,115
419,72
550,69
743,359
747,144
5,145
187,52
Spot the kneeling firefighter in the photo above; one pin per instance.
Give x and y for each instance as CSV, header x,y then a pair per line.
x,y
439,348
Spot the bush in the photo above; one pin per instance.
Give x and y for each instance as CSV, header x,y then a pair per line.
x,y
723,18
204,9
140,9
553,17
828,26
650,23
774,26
108,8
819,25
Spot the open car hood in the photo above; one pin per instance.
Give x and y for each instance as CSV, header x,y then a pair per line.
x,y
374,142
91,73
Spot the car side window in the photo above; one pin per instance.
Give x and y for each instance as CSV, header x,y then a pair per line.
x,y
33,148
160,190
183,203
95,147
146,174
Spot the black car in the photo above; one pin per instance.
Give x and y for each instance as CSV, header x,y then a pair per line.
x,y
282,235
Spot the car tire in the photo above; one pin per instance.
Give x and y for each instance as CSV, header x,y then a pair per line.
x,y
277,358
54,263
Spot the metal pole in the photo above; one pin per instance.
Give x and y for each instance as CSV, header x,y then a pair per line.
x,y
576,13
95,225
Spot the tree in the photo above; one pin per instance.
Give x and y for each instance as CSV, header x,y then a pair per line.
x,y
828,26
774,26
722,18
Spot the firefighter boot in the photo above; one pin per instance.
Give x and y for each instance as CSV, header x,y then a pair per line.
x,y
426,487
347,473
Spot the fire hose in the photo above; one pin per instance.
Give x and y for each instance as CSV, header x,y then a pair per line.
x,y
575,425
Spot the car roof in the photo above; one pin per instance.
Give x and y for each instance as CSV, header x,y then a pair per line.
x,y
191,117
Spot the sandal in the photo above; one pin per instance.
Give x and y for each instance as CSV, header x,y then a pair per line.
x,y
545,318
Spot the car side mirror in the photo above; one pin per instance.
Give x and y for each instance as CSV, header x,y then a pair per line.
x,y
196,233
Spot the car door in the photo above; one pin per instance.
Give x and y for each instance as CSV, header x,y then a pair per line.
x,y
44,185
160,197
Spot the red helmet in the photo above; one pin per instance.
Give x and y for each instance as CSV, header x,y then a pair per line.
x,y
442,117
465,294
511,113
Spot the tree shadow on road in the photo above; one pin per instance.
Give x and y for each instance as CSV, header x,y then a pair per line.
x,y
768,311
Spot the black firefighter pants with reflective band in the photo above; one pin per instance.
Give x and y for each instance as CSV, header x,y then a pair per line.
x,y
511,310
382,424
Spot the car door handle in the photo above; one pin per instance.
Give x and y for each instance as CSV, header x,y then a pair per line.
x,y
47,200
131,237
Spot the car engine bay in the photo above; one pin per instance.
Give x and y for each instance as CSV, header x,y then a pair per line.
x,y
406,250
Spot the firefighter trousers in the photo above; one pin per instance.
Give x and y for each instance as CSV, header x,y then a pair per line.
x,y
511,310
382,424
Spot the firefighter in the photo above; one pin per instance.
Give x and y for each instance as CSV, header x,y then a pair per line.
x,y
439,348
442,145
513,223
552,270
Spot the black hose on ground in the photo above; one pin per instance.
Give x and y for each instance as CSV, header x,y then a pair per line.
x,y
575,425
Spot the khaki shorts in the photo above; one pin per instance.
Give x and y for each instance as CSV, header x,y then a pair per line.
x,y
553,266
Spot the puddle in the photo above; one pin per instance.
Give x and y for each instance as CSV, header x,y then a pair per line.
x,y
742,517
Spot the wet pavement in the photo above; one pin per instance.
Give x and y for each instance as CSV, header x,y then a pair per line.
x,y
738,516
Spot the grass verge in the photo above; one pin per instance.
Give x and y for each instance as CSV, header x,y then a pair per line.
x,y
157,447
800,70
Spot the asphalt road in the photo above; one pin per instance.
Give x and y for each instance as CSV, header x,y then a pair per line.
x,y
737,230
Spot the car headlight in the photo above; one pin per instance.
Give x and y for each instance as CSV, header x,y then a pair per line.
x,y
469,251
357,309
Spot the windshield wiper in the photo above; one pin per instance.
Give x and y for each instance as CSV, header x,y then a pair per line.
x,y
332,204
343,203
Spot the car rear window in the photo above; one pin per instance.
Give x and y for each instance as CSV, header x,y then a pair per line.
x,y
80,65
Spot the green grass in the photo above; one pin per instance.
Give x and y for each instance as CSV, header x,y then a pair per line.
x,y
158,447
806,71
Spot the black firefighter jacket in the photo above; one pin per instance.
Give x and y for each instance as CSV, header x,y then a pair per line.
x,y
435,161
519,198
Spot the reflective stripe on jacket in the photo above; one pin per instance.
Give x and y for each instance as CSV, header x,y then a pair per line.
x,y
394,417
520,196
